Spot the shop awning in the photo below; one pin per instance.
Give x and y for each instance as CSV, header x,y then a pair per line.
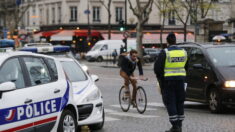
x,y
151,38
84,33
49,33
64,35
36,37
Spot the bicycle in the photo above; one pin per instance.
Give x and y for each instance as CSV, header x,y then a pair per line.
x,y
141,98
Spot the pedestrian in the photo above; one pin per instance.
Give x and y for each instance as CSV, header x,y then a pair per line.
x,y
114,55
122,49
170,71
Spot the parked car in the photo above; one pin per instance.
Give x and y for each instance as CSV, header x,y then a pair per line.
x,y
87,95
151,54
35,94
211,74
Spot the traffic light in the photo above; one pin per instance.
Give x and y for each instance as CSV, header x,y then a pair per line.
x,y
124,40
122,25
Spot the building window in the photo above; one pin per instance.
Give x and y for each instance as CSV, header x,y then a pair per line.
x,y
96,14
59,14
171,18
28,18
73,14
118,14
47,11
53,15
41,16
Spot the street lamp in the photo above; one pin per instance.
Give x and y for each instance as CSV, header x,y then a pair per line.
x,y
126,22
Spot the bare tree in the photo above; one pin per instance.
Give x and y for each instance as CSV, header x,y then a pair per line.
x,y
163,7
182,9
13,13
141,11
200,10
107,7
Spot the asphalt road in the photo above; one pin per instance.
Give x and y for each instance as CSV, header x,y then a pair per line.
x,y
155,119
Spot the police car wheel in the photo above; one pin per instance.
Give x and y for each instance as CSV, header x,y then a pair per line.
x,y
100,125
67,122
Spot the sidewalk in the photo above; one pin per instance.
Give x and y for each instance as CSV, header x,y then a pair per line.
x,y
146,66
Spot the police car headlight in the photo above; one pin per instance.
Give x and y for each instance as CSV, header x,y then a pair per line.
x,y
229,84
94,95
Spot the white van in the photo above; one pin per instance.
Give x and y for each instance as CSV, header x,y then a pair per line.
x,y
103,49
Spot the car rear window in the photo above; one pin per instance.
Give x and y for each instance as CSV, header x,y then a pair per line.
x,y
74,71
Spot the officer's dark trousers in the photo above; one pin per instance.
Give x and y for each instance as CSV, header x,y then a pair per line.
x,y
173,98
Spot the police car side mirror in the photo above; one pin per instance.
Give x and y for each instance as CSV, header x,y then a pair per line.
x,y
197,66
6,86
94,78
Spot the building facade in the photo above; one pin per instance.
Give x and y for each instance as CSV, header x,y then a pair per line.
x,y
54,14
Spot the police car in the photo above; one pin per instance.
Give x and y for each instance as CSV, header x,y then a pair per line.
x,y
35,94
87,96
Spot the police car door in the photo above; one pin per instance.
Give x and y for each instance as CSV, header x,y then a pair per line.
x,y
45,99
13,103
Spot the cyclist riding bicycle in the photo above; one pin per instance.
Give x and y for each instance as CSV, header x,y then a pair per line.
x,y
128,65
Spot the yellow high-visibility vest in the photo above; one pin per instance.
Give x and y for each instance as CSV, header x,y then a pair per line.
x,y
175,62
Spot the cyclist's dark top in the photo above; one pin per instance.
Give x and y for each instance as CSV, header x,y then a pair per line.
x,y
128,66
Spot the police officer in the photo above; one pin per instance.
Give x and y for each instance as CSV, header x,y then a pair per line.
x,y
170,72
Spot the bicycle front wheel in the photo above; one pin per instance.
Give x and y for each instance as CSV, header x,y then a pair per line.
x,y
124,99
141,100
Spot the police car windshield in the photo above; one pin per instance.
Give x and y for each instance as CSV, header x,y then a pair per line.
x,y
74,71
60,54
222,56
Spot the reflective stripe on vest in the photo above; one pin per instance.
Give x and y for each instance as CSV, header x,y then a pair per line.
x,y
175,62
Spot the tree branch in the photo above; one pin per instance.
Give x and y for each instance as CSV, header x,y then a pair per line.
x,y
133,10
207,10
102,2
148,11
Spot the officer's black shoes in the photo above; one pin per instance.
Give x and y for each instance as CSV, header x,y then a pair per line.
x,y
174,129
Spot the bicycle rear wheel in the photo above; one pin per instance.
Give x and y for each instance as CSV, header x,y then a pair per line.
x,y
124,100
141,100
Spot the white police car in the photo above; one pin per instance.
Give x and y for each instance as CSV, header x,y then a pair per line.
x,y
87,96
35,94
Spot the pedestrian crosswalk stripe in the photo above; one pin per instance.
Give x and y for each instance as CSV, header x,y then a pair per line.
x,y
156,104
128,114
118,106
160,104
107,118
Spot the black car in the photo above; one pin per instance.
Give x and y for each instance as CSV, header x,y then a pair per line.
x,y
151,54
211,74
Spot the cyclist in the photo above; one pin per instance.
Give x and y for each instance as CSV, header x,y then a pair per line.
x,y
128,65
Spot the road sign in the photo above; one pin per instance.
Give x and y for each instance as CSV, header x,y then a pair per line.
x,y
126,34
87,11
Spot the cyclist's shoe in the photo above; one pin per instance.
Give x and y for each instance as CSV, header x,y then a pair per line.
x,y
133,103
175,129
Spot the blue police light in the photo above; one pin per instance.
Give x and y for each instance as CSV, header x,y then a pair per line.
x,y
46,49
4,43
34,50
61,48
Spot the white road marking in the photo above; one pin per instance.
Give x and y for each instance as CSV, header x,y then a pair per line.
x,y
128,114
107,118
131,108
160,104
111,78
